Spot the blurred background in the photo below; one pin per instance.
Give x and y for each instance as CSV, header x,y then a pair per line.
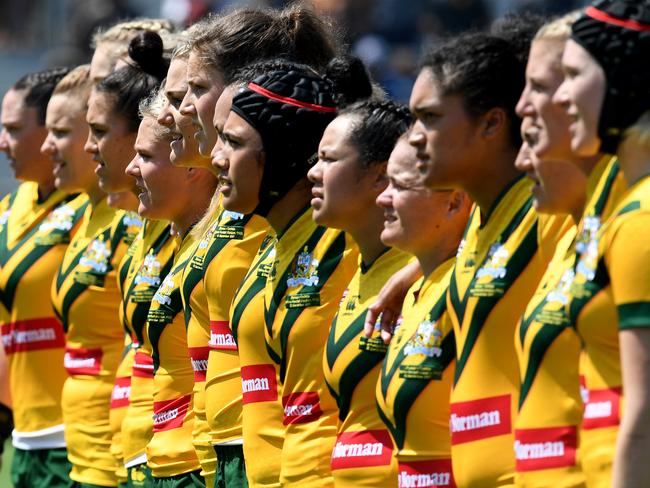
x,y
387,34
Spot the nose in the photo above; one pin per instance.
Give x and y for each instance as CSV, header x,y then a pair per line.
x,y
187,107
166,119
384,199
4,143
48,148
91,145
132,169
524,106
524,160
561,95
315,172
417,138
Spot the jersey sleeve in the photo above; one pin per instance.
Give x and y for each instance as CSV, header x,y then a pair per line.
x,y
627,258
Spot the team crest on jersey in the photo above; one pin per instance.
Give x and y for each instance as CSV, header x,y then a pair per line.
x,y
304,270
132,223
560,295
207,238
163,295
227,214
4,217
61,218
495,263
587,249
427,340
461,246
149,272
97,256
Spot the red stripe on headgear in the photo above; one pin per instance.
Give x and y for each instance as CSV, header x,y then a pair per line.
x,y
290,101
594,13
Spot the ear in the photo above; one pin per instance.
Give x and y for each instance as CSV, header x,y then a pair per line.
x,y
379,179
494,122
456,202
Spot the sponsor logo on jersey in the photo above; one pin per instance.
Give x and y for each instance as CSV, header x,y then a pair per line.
x,y
362,449
545,448
301,407
480,419
259,383
96,256
87,361
221,338
304,270
427,341
601,407
143,365
199,359
121,392
149,272
61,218
32,335
169,414
433,473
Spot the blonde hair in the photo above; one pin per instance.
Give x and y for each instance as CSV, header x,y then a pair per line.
x,y
639,134
184,44
118,37
77,82
558,29
150,108
213,212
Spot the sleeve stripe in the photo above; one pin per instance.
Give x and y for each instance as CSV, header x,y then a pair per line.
x,y
633,315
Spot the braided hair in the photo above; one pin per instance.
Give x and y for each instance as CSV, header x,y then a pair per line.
x,y
377,126
39,87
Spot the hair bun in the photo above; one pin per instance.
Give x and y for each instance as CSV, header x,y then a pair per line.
x,y
349,78
146,50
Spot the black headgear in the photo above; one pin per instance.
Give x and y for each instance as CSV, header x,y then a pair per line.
x,y
617,34
290,109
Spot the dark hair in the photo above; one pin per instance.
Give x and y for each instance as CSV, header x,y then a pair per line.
x,y
518,30
143,74
39,87
485,70
347,74
250,35
377,126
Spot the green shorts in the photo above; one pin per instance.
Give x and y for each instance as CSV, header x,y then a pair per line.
x,y
138,475
185,480
231,468
46,468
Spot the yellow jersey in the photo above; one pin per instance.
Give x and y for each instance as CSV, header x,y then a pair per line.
x,y
148,261
86,299
262,412
33,237
363,452
312,267
497,270
415,382
594,314
550,407
170,451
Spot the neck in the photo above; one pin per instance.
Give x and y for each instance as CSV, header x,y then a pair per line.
x,y
289,205
587,165
435,253
366,235
495,173
192,211
124,200
95,194
635,162
45,189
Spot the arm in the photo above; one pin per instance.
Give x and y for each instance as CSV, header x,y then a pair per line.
x,y
630,464
390,300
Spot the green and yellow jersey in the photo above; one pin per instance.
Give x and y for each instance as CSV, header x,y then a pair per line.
x,y
86,299
170,451
312,267
351,372
214,272
262,412
593,313
34,234
550,408
497,271
147,261
415,382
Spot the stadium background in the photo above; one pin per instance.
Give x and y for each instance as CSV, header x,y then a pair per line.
x,y
387,34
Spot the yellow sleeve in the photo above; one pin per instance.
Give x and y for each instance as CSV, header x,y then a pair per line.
x,y
627,258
